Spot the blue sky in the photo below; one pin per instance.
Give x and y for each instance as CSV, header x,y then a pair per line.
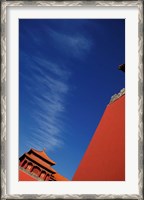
x,y
68,71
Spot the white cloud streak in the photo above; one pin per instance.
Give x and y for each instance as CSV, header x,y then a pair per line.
x,y
48,89
76,45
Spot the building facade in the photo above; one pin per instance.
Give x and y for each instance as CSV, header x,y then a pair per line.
x,y
37,166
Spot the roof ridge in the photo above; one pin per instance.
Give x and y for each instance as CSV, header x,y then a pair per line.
x,y
46,166
44,155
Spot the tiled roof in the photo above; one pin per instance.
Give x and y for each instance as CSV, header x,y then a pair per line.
x,y
40,161
25,177
59,177
43,155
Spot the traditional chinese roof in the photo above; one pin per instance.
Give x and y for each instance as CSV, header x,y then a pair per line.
x,y
43,155
41,159
122,67
40,162
59,177
25,177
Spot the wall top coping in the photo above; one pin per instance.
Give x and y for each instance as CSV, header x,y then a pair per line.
x,y
116,96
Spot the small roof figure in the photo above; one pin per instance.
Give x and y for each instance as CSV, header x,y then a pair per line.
x,y
122,67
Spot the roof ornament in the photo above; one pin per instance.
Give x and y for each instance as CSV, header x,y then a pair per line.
x,y
122,67
44,149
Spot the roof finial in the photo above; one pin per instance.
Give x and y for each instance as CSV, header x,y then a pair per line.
x,y
44,149
122,67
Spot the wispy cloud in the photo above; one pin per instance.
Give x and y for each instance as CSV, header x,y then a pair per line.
x,y
46,84
52,67
48,89
73,44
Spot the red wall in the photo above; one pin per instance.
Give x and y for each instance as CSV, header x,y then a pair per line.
x,y
104,159
25,177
